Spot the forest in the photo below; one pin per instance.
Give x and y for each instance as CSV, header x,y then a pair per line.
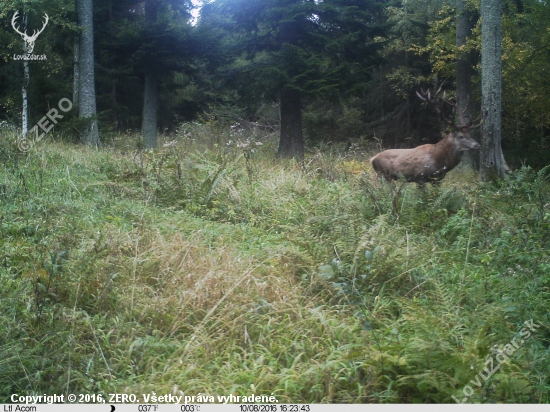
x,y
190,206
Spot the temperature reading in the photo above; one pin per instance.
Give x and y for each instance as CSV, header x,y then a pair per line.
x,y
148,408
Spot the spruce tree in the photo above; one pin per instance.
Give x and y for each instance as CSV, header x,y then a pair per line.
x,y
291,51
86,79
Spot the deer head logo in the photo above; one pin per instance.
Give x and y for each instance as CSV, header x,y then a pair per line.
x,y
29,40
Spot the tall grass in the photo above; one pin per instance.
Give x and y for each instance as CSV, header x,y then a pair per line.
x,y
210,267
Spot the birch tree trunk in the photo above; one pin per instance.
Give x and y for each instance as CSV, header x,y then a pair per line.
x,y
86,78
76,69
25,86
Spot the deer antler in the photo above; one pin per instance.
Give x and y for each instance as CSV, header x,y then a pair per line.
x,y
427,97
470,124
461,112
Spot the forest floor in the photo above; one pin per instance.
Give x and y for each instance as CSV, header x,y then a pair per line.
x,y
209,268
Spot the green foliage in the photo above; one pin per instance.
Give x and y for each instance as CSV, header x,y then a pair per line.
x,y
181,269
422,45
532,190
356,63
331,56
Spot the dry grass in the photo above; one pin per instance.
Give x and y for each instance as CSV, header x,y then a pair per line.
x,y
214,268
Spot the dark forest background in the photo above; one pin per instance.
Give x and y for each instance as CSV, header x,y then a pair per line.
x,y
355,66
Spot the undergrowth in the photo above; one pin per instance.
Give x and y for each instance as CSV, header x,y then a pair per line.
x,y
210,267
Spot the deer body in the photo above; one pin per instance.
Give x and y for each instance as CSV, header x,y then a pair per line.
x,y
429,162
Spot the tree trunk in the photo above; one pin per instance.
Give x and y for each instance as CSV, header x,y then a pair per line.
x,y
76,69
291,143
25,92
86,84
492,158
463,64
25,86
464,28
150,95
150,109
114,103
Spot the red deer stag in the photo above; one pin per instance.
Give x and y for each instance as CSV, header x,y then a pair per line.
x,y
429,162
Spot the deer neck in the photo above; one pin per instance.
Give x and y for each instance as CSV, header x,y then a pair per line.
x,y
447,153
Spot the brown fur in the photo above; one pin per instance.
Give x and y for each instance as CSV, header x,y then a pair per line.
x,y
426,163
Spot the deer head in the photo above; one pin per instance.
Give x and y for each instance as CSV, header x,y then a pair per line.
x,y
460,126
29,40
